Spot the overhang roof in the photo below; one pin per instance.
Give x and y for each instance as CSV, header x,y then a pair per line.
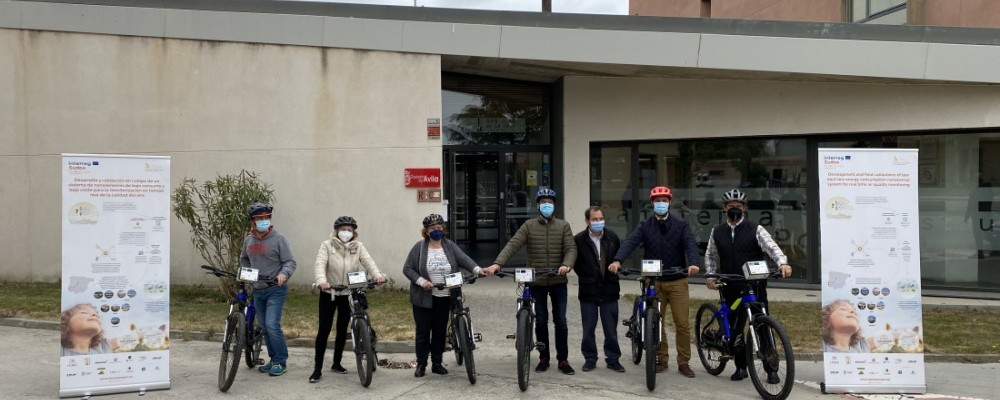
x,y
547,46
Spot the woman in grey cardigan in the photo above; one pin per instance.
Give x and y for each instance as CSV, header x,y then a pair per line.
x,y
426,265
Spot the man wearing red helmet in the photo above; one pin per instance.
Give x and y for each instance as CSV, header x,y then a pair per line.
x,y
668,239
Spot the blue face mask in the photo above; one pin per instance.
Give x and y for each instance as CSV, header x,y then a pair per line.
x,y
597,226
661,207
436,235
546,209
262,225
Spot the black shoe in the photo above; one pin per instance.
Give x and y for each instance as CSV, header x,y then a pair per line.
x,y
616,366
589,366
419,372
439,369
739,375
338,369
542,366
565,368
773,378
315,377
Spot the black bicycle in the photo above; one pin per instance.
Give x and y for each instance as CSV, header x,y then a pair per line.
x,y
363,336
461,335
243,333
524,336
770,361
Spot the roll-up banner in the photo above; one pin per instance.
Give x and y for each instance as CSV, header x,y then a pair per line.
x,y
115,318
873,336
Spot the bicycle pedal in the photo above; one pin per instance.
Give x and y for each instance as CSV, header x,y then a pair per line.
x,y
626,322
259,361
511,337
477,337
539,346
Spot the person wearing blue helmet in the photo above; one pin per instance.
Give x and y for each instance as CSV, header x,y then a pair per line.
x,y
550,245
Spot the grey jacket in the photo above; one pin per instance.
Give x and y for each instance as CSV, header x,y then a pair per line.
x,y
415,268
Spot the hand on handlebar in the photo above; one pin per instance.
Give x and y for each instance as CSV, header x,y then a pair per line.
x,y
281,279
489,271
711,284
615,267
785,269
427,285
380,279
563,270
324,286
692,269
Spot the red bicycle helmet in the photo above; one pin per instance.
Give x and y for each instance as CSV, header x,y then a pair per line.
x,y
660,191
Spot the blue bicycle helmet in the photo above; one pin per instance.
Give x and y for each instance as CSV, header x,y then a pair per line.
x,y
545,192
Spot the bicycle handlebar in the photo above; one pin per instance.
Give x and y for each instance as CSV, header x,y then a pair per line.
x,y
739,278
540,273
668,271
223,273
367,285
470,279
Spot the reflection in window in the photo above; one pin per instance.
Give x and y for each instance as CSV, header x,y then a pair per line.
x,y
891,12
480,111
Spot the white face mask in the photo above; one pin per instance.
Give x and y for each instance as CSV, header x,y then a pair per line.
x,y
345,236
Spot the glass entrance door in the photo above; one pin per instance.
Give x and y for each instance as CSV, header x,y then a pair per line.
x,y
476,197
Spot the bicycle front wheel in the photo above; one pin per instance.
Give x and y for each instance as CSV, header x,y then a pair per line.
x,y
465,338
232,348
456,341
770,361
524,344
708,332
650,330
364,351
255,339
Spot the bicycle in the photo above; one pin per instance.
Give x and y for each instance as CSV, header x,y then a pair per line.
x,y
363,336
645,328
461,336
525,330
717,342
243,333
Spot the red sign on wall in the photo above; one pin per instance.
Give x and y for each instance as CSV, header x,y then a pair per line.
x,y
422,177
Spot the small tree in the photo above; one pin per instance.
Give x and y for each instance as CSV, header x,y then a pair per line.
x,y
216,211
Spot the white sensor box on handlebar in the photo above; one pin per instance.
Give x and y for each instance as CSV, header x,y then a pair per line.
x,y
249,274
524,275
453,280
652,268
754,270
358,278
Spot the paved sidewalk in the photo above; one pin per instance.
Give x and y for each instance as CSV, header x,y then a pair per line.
x,y
194,365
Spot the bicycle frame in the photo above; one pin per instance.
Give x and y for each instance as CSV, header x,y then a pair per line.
x,y
749,302
357,312
649,299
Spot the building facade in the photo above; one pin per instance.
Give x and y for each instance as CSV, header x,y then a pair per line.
x,y
333,102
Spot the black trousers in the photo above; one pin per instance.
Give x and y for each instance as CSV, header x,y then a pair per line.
x,y
432,328
341,305
738,321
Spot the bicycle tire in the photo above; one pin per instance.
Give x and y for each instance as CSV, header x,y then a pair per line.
x,y
635,335
465,338
456,341
769,357
364,352
255,339
524,345
651,322
232,349
708,332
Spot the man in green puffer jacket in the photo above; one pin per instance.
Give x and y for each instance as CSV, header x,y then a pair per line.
x,y
550,245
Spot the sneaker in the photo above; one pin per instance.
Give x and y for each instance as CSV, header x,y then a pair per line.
x,y
685,370
565,368
739,375
278,370
773,378
315,377
338,369
542,366
616,366
589,366
439,369
264,368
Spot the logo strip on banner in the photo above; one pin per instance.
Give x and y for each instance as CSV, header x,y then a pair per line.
x,y
115,274
873,334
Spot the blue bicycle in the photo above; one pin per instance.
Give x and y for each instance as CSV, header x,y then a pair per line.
x,y
243,333
770,361
644,326
524,336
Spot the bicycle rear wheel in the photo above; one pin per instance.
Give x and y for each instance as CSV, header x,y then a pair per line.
x,y
364,351
255,338
464,336
232,347
650,329
772,365
708,332
524,344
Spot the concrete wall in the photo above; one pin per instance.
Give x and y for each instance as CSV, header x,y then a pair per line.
x,y
613,109
331,129
775,10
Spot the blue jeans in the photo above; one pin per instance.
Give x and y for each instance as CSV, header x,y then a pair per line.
x,y
558,294
269,303
608,312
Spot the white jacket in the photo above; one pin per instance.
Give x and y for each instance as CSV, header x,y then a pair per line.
x,y
335,259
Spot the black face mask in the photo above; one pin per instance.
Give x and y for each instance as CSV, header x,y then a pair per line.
x,y
734,214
